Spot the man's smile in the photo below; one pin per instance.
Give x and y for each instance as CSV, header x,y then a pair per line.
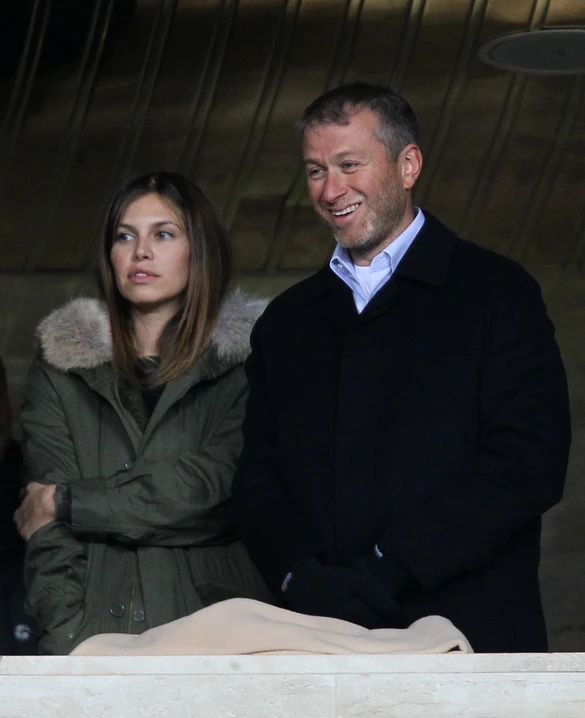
x,y
347,210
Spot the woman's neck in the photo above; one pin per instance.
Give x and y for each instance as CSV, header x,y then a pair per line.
x,y
148,327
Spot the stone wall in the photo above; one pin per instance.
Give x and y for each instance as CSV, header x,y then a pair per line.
x,y
303,686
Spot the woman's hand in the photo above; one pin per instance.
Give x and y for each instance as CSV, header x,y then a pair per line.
x,y
36,510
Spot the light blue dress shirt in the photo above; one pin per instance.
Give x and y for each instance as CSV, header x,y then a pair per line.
x,y
364,282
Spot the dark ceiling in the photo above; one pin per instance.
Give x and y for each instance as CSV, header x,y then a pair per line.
x,y
94,90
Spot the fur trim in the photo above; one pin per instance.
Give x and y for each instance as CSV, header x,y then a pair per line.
x,y
77,335
237,316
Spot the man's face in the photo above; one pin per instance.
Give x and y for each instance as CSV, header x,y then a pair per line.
x,y
354,185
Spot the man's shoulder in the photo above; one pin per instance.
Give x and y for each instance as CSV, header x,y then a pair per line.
x,y
469,252
299,294
473,263
476,263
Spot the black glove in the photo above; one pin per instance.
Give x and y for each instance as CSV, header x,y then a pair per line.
x,y
318,590
386,579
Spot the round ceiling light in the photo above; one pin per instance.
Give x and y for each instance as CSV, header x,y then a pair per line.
x,y
546,51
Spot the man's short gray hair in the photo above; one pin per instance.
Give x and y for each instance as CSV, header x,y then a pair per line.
x,y
398,123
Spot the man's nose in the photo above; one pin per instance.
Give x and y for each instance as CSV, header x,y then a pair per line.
x,y
334,187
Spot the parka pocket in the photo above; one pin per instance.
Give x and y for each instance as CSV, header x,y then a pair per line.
x,y
55,569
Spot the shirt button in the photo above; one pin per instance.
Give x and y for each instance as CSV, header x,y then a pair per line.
x,y
139,615
117,609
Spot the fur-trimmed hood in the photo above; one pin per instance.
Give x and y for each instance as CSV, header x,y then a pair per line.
x,y
77,335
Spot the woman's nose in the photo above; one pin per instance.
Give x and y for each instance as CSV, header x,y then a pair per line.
x,y
142,249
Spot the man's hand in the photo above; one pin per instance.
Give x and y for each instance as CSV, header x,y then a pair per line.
x,y
36,510
319,590
385,580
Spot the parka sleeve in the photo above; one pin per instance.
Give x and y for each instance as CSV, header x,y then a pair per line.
x,y
166,503
55,560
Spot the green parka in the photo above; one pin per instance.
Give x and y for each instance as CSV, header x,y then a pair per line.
x,y
151,537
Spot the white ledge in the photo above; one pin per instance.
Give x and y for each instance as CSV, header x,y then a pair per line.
x,y
307,686
297,664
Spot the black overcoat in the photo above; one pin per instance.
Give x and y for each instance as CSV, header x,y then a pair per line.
x,y
437,419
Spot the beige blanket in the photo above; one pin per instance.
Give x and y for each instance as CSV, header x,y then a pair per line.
x,y
241,626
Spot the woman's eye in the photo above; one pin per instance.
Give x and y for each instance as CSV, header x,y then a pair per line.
x,y
123,237
162,234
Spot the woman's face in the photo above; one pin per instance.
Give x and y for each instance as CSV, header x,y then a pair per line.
x,y
150,255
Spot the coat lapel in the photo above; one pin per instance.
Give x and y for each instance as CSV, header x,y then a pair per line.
x,y
426,261
429,256
332,299
103,381
208,367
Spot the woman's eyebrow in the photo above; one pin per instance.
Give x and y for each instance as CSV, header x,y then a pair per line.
x,y
127,225
165,221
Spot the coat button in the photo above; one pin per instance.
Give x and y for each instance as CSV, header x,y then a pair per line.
x,y
129,465
139,615
117,609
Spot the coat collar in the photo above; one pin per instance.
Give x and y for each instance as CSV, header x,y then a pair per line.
x,y
77,335
429,256
427,261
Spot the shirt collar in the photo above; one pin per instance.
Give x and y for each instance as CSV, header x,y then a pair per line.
x,y
390,255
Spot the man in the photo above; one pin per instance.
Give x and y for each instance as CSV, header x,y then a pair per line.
x,y
408,419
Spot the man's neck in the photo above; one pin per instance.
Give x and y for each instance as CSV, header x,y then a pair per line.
x,y
364,257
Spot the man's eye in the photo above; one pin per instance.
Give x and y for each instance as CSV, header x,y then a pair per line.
x,y
314,172
349,165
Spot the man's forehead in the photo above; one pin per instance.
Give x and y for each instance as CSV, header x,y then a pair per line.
x,y
337,157
344,138
351,115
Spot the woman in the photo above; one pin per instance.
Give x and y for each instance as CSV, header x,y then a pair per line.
x,y
131,426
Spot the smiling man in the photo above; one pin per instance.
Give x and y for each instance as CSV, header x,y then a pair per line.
x,y
408,419
360,192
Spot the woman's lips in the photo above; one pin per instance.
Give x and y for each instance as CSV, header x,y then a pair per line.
x,y
142,277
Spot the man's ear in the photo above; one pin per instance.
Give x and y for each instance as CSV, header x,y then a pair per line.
x,y
410,161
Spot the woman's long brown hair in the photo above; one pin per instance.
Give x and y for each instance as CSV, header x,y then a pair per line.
x,y
187,334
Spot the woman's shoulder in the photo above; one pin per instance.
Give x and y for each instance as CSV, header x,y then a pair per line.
x,y
76,335
230,338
